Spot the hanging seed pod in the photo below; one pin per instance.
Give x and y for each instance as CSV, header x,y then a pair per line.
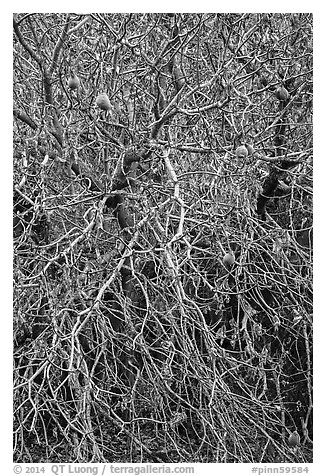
x,y
294,439
250,149
282,94
74,82
241,152
103,102
228,260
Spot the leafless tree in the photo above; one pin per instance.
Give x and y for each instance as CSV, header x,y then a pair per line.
x,y
162,237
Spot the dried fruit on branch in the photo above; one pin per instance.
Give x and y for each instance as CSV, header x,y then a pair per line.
x,y
74,82
282,94
228,260
242,152
294,439
103,102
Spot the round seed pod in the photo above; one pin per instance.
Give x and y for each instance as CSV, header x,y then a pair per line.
x,y
74,82
241,152
228,260
294,439
282,94
103,102
250,149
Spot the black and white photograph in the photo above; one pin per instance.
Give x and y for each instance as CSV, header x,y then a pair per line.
x,y
162,238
